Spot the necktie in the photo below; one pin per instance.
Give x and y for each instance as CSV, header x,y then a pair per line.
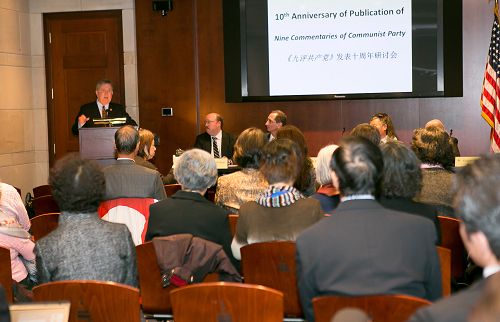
x,y
104,113
215,147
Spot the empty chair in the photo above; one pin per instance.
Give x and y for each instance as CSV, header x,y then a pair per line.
x,y
6,273
445,263
272,264
450,238
94,301
381,308
45,205
43,190
220,301
42,225
155,298
170,189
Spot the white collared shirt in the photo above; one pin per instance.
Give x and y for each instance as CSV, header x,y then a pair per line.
x,y
490,270
357,197
101,106
219,143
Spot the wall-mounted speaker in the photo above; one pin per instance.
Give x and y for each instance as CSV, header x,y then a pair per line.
x,y
164,6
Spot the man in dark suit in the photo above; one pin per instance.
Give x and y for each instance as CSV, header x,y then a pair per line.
x,y
187,211
477,202
101,108
274,122
363,248
214,136
125,179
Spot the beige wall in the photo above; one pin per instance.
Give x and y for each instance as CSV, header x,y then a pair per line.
x,y
23,105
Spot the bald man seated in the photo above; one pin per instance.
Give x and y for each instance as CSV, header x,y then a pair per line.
x,y
214,140
453,140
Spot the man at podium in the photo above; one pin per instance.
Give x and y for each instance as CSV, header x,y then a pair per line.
x,y
101,108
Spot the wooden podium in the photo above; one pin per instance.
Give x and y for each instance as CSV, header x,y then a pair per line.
x,y
98,143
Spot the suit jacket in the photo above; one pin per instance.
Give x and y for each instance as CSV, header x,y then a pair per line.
x,y
455,308
204,142
125,179
190,213
91,110
365,249
84,247
417,208
454,146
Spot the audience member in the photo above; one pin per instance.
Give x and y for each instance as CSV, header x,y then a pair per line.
x,y
476,204
282,212
487,308
22,257
453,141
11,205
275,121
147,151
306,179
432,147
214,140
83,247
363,248
366,131
383,123
126,179
402,180
327,194
187,211
102,108
239,187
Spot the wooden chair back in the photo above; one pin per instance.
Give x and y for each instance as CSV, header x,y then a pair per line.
x,y
272,264
42,225
45,205
154,298
6,273
381,308
450,238
233,220
445,262
222,301
43,190
94,301
170,189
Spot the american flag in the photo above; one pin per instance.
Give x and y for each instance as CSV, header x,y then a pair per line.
x,y
490,96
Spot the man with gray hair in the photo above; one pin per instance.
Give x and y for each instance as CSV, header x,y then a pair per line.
x,y
453,140
275,121
125,179
188,211
364,248
476,204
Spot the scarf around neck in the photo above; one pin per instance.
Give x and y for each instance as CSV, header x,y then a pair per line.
x,y
275,197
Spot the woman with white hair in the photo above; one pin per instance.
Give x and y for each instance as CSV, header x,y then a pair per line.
x,y
188,211
327,194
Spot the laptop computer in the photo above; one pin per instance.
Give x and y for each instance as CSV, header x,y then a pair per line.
x,y
40,312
